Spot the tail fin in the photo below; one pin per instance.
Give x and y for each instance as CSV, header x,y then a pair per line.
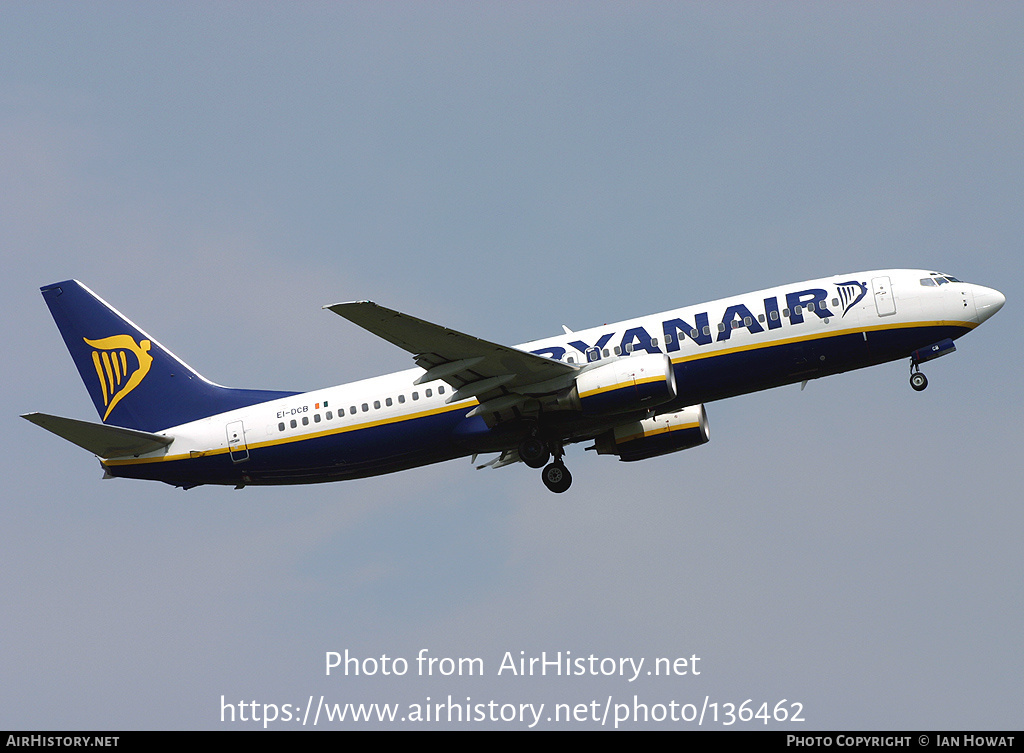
x,y
134,381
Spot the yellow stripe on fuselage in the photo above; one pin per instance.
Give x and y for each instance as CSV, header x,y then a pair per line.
x,y
470,403
820,336
301,438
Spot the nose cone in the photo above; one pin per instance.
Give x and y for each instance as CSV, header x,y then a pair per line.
x,y
987,302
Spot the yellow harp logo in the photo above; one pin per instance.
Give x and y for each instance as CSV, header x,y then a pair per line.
x,y
117,374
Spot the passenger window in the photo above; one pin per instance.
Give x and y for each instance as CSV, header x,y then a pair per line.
x,y
329,415
747,321
629,347
305,420
735,323
415,396
365,407
835,302
760,318
785,313
401,398
316,418
352,410
427,392
570,359
280,426
654,341
694,334
775,316
706,330
797,310
376,404
810,307
388,402
293,423
440,390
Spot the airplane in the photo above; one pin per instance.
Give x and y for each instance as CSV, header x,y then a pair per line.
x,y
636,388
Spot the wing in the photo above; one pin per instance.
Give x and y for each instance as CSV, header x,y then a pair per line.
x,y
499,377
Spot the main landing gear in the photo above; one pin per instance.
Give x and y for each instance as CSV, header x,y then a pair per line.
x,y
556,477
535,453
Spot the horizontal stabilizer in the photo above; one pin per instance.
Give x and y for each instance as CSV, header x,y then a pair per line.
x,y
100,439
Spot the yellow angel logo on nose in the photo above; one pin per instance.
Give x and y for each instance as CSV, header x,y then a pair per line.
x,y
117,376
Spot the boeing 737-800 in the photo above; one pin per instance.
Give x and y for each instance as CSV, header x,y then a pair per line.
x,y
636,389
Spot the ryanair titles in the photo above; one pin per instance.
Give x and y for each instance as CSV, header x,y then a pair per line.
x,y
698,327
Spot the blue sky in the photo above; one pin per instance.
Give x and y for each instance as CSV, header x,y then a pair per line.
x,y
218,172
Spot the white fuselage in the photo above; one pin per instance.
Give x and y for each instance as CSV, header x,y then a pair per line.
x,y
718,349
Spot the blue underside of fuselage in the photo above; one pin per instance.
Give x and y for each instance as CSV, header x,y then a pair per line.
x,y
413,442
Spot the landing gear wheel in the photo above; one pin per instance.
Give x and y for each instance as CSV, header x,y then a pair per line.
x,y
534,452
556,477
918,381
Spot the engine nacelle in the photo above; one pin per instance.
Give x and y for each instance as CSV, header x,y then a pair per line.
x,y
626,384
670,432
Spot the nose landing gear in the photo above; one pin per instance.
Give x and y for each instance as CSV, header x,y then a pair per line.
x,y
918,380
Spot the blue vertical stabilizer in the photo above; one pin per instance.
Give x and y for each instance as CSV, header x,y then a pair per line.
x,y
134,381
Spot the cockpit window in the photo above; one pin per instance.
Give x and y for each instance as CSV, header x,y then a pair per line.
x,y
937,279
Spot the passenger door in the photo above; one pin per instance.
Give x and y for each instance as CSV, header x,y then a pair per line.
x,y
237,448
885,303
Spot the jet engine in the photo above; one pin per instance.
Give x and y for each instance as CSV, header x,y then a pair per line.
x,y
625,384
660,435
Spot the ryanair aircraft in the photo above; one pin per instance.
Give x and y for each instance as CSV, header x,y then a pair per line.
x,y
636,389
